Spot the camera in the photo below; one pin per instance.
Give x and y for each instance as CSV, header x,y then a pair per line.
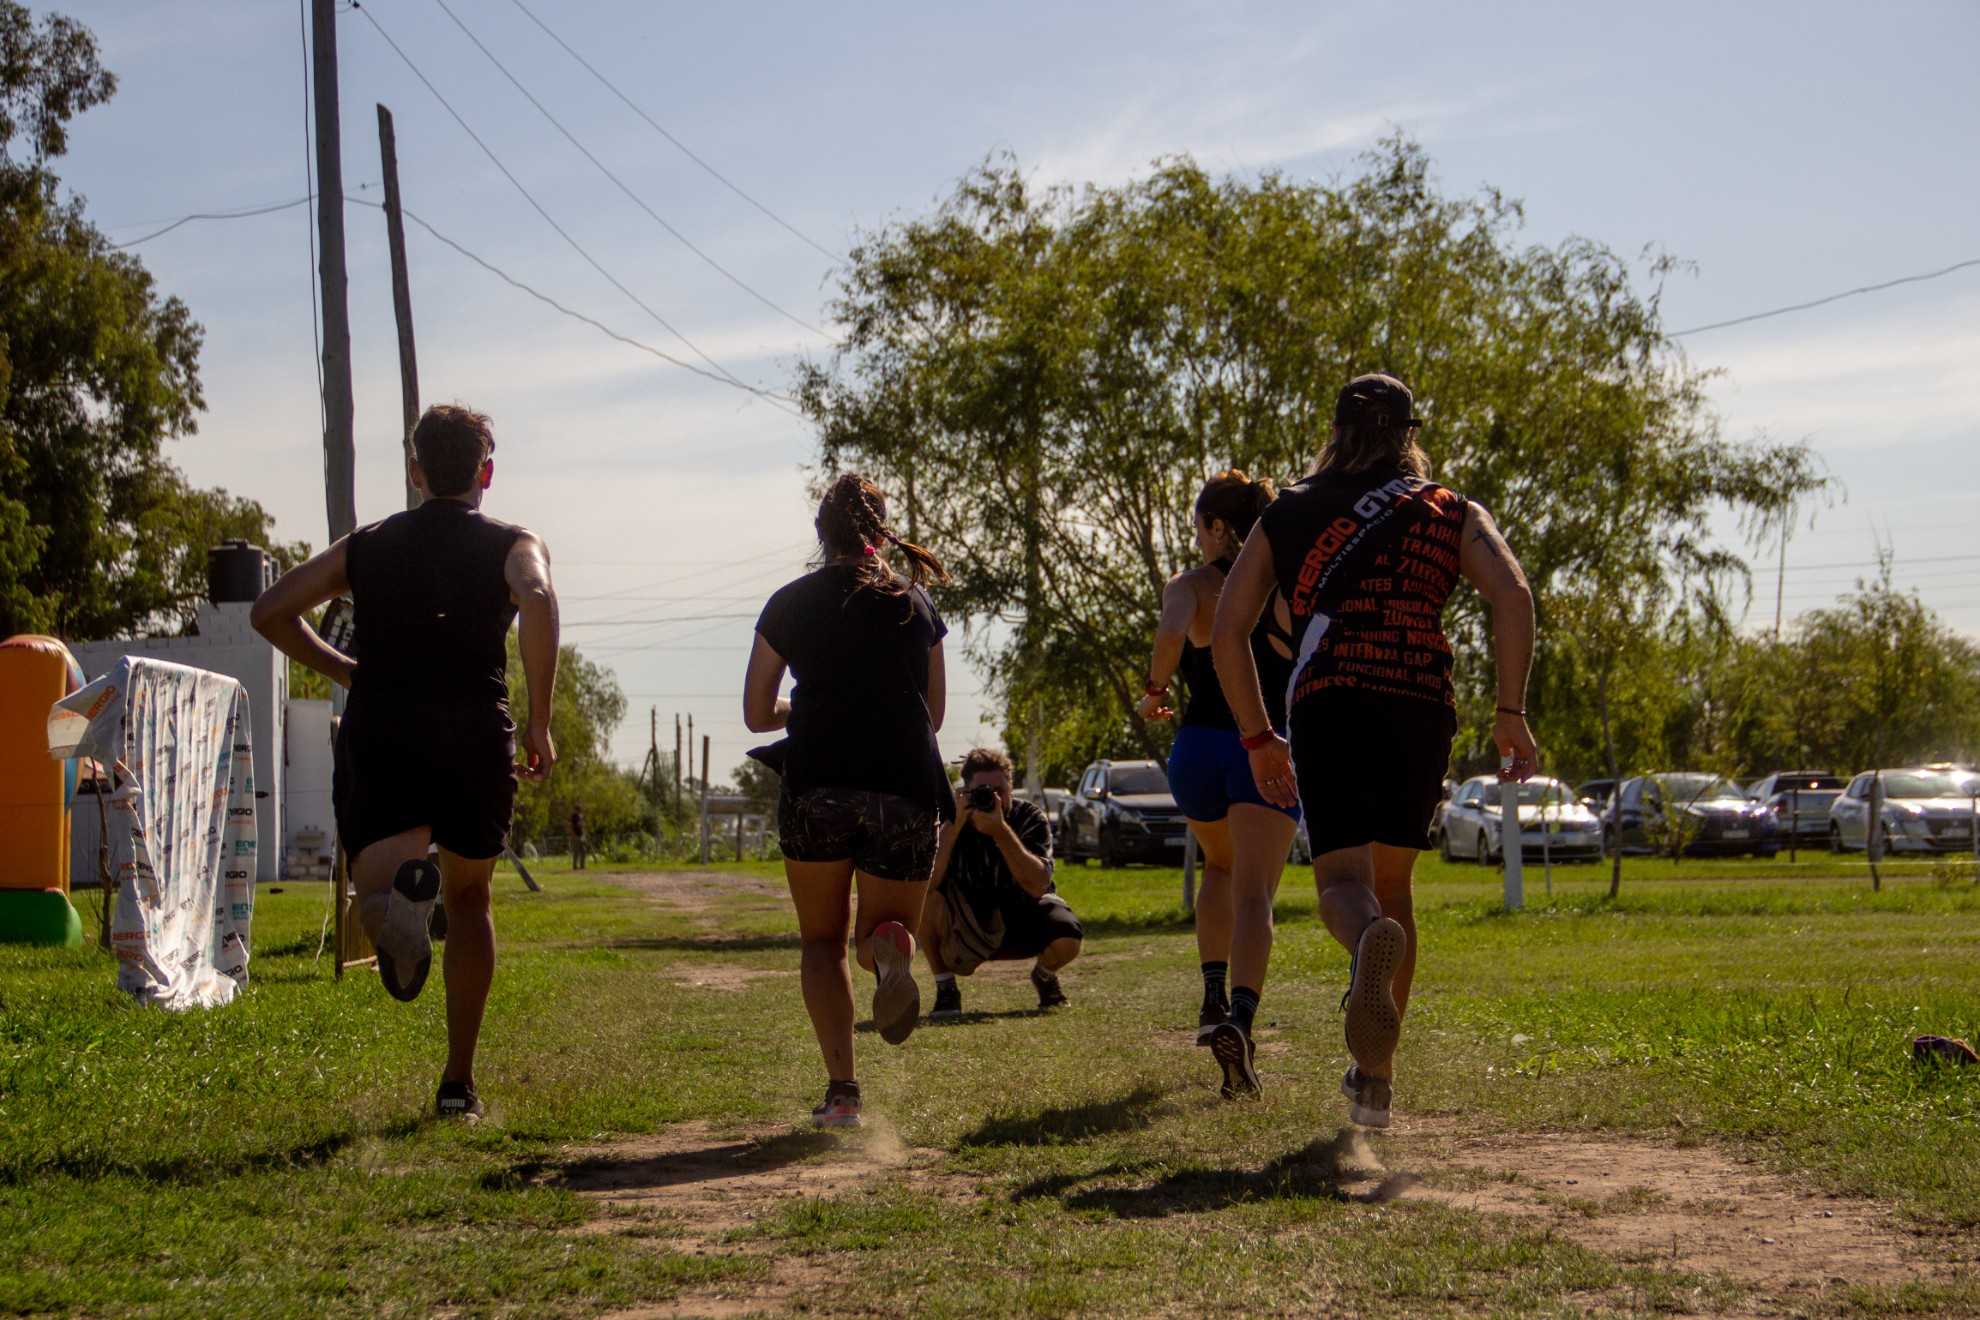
x,y
983,798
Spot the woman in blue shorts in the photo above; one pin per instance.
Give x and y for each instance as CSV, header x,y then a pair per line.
x,y
1243,838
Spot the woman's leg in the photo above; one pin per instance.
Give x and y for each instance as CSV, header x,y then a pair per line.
x,y
1213,895
1261,839
881,901
1393,868
822,894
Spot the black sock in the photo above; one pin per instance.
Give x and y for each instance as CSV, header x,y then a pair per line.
x,y
1213,983
1244,1007
836,1088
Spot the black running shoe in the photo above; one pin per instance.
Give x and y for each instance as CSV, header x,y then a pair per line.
x,y
458,1100
1047,985
404,943
948,1002
1235,1050
1213,1013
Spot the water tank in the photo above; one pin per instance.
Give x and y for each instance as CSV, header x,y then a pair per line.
x,y
235,571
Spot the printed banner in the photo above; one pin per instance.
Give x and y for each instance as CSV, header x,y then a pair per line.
x,y
182,830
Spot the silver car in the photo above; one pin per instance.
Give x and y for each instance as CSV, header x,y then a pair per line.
x,y
1553,823
1925,810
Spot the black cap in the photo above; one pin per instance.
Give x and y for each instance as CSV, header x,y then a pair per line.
x,y
1376,399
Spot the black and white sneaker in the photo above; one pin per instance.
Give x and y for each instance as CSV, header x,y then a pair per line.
x,y
948,1002
405,938
1234,1049
458,1100
1368,1098
839,1109
1213,1013
1047,985
1374,1023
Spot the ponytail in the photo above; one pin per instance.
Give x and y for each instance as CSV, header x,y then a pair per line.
x,y
1235,499
852,525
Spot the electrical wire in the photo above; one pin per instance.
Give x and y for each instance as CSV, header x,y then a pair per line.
x,y
714,173
621,185
223,215
575,246
1819,302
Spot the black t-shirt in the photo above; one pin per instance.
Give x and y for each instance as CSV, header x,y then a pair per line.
x,y
859,712
431,608
980,873
1366,561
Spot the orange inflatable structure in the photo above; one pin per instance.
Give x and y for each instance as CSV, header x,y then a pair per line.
x,y
35,793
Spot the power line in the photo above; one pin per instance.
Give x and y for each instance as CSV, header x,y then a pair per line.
x,y
1871,567
1834,297
633,197
682,146
562,233
219,215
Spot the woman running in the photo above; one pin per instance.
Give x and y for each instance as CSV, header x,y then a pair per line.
x,y
1366,551
1243,838
863,786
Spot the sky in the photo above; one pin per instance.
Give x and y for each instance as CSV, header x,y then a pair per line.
x,y
1787,152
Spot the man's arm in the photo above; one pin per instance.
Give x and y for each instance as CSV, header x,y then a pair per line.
x,y
1487,563
528,573
1032,872
278,613
945,838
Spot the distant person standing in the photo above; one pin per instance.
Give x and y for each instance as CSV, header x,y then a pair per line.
x,y
1367,551
863,785
578,849
426,751
1244,838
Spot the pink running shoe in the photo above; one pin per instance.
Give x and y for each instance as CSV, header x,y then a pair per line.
x,y
896,998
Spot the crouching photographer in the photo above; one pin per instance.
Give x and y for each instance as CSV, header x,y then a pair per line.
x,y
995,900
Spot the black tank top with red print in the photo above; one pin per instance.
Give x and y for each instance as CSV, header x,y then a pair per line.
x,y
1366,561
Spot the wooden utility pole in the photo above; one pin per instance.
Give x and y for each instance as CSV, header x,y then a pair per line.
x,y
339,446
704,796
395,234
677,763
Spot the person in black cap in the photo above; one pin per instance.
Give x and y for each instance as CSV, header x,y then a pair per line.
x,y
426,750
1366,551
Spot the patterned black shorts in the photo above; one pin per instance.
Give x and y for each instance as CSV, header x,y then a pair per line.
x,y
883,835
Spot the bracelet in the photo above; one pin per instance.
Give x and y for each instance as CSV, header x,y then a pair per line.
x,y
1257,740
1508,710
1154,691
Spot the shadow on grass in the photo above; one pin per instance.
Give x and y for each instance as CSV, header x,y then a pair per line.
x,y
1050,1127
196,1170
712,943
1327,1168
673,1168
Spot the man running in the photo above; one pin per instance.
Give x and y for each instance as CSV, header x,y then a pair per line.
x,y
426,751
1366,551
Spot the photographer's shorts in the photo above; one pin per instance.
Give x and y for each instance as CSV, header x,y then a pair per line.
x,y
1031,925
402,767
1210,772
1370,767
883,835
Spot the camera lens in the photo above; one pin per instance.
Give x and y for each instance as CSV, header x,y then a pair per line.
x,y
983,798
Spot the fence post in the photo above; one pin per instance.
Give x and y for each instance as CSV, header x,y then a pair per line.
x,y
1509,841
1189,869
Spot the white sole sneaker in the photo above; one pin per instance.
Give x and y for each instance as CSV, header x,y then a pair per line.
x,y
1374,1024
1368,1098
896,998
404,942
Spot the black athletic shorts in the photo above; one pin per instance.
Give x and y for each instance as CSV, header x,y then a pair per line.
x,y
399,768
883,835
1370,767
1030,924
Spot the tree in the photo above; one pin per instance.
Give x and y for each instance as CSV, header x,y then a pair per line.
x,y
588,706
1044,380
99,534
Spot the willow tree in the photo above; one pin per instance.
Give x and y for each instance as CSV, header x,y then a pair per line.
x,y
1044,378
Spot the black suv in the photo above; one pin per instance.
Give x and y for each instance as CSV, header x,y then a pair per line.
x,y
1123,811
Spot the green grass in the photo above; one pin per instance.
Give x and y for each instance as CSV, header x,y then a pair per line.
x,y
274,1157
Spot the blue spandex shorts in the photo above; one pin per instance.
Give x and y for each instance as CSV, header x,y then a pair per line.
x,y
1209,772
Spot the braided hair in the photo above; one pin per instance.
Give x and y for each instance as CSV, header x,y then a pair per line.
x,y
852,526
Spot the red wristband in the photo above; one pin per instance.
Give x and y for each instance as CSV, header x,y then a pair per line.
x,y
1257,740
1154,691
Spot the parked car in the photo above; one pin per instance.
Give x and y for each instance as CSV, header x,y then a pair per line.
x,y
1800,802
1553,823
1713,812
1054,807
1123,811
1596,793
1925,810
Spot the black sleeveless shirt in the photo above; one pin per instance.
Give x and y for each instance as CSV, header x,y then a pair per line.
x,y
431,607
1207,708
1366,561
